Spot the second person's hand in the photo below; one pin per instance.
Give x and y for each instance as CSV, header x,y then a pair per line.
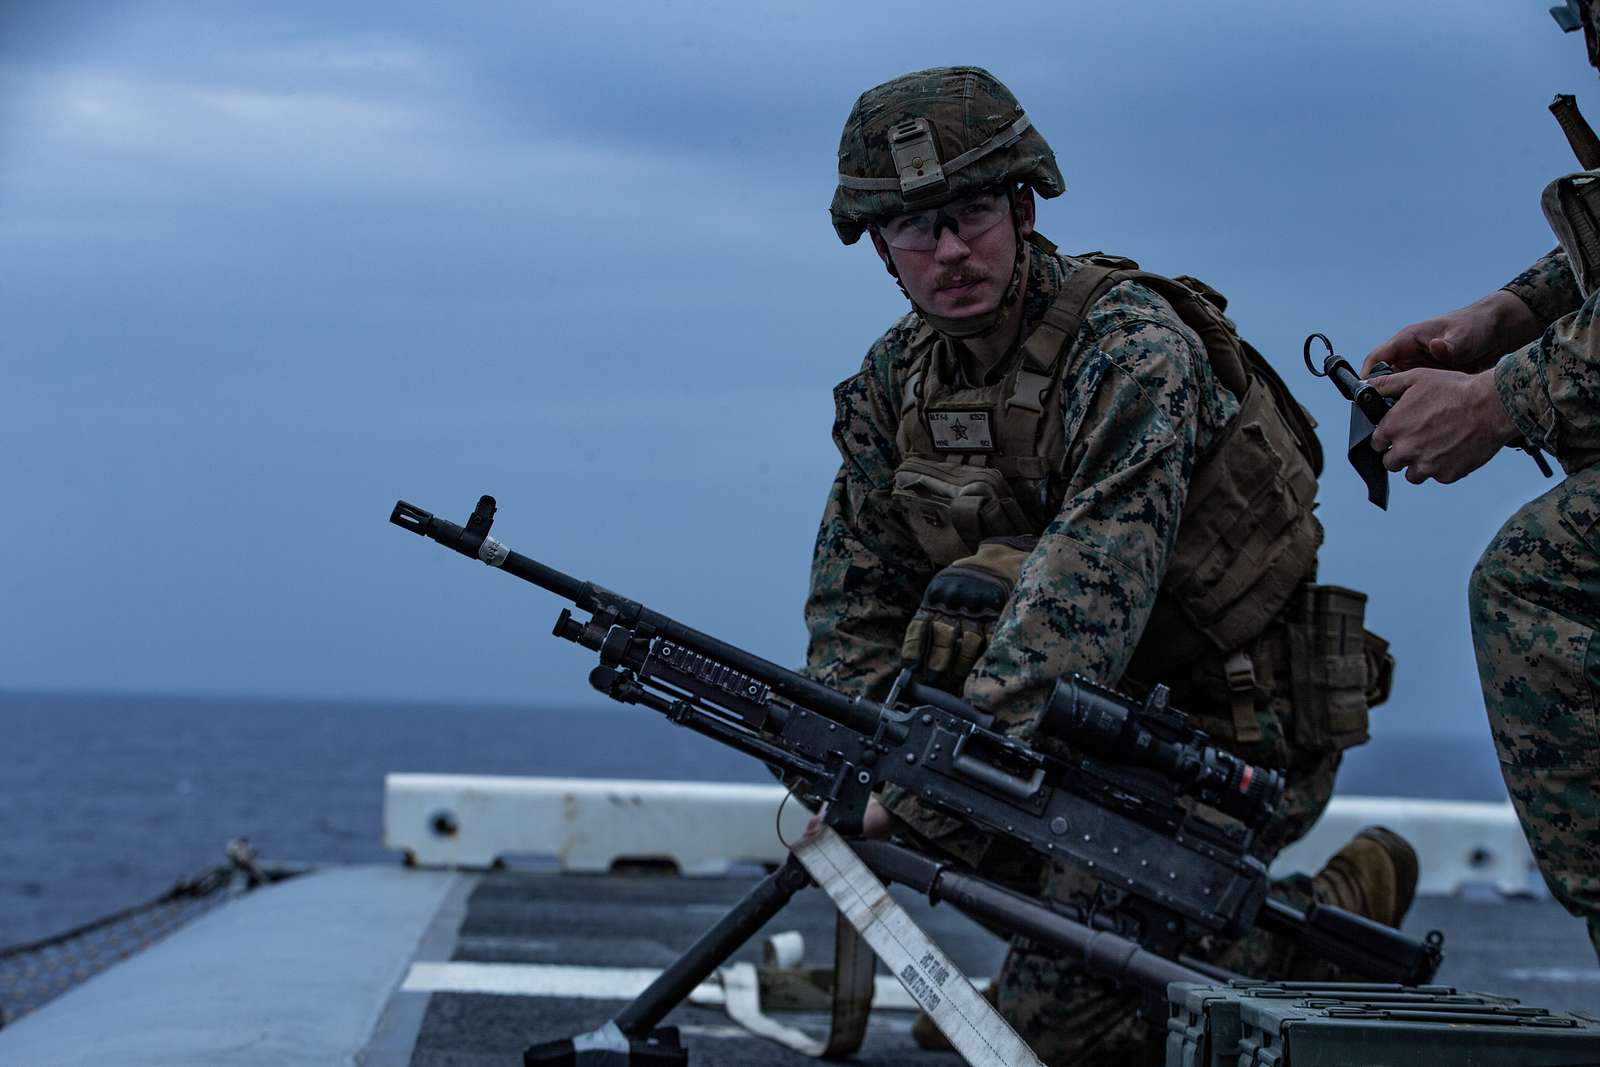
x,y
1444,425
1467,339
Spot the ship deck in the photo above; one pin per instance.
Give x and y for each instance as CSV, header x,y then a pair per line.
x,y
455,958
386,965
1526,948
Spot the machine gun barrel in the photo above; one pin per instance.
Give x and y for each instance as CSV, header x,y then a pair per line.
x,y
1102,951
473,541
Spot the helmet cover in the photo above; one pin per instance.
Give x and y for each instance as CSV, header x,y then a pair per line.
x,y
928,137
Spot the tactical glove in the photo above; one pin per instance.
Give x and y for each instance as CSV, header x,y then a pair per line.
x,y
959,609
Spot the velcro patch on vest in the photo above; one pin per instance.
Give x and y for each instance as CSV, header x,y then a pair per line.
x,y
962,429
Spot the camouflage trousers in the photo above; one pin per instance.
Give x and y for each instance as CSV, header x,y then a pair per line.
x,y
1535,605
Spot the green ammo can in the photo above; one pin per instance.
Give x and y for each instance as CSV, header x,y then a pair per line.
x,y
1310,1024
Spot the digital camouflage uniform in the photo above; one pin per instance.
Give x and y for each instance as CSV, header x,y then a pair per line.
x,y
1141,404
1151,496
1535,595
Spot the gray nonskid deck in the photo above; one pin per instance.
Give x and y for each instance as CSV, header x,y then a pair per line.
x,y
647,922
1520,947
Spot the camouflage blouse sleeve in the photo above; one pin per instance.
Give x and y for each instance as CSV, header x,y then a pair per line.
x,y
1551,388
867,572
1547,287
1134,413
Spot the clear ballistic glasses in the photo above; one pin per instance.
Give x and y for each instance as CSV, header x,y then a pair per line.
x,y
968,217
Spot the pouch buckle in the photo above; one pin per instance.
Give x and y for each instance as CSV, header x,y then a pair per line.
x,y
1240,670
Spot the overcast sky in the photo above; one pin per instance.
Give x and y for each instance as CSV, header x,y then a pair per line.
x,y
264,271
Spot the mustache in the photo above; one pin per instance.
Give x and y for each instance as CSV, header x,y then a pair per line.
x,y
951,279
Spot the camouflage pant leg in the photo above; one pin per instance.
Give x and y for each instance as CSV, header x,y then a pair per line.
x,y
1071,1017
1535,604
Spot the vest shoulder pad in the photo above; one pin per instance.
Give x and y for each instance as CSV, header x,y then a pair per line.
x,y
1235,362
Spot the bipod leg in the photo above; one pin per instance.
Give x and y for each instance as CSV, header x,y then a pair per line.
x,y
631,1038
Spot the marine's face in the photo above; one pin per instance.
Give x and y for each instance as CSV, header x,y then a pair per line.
x,y
958,270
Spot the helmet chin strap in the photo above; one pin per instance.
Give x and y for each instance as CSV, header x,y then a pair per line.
x,y
977,326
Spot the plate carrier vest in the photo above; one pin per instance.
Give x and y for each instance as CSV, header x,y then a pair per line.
x,y
987,462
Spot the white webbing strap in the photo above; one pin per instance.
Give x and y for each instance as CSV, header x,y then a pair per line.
x,y
852,992
971,1024
741,985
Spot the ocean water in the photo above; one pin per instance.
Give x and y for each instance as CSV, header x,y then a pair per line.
x,y
106,800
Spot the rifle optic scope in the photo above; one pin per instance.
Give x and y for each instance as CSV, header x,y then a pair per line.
x,y
1101,721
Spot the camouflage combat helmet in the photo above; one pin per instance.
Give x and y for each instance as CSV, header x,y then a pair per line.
x,y
1582,15
927,137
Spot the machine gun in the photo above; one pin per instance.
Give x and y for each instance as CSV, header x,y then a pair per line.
x,y
1115,793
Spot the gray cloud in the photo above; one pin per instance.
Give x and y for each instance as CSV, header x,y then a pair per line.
x,y
265,271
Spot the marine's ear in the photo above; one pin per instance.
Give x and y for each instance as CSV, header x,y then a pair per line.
x,y
880,246
1024,207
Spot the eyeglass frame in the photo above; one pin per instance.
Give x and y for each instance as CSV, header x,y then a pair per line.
x,y
943,219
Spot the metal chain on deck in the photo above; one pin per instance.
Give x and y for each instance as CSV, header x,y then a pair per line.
x,y
33,973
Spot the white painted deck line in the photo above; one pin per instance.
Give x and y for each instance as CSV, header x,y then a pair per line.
x,y
1553,974
739,1033
588,824
719,1033
542,980
589,983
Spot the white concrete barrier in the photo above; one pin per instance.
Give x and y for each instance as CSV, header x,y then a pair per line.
x,y
1458,842
587,824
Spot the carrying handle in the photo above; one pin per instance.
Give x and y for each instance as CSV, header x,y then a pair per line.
x,y
993,777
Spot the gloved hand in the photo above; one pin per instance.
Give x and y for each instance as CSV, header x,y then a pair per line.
x,y
959,609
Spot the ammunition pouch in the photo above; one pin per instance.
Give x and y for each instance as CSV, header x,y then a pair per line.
x,y
1305,685
952,508
1337,670
1248,536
